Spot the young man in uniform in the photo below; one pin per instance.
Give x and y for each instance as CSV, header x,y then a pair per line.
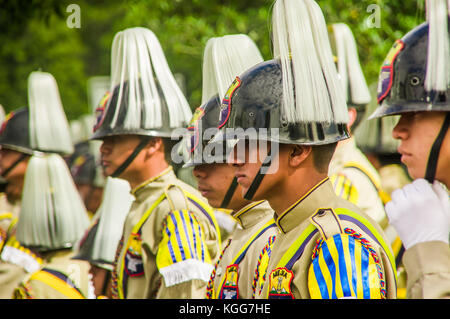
x,y
224,57
414,83
353,176
170,237
327,247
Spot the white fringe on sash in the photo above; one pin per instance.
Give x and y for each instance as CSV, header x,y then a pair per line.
x,y
17,257
186,270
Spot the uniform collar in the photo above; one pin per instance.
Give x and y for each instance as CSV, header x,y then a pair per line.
x,y
251,214
154,181
304,207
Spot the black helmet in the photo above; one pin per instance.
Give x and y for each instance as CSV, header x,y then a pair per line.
x,y
205,119
82,164
254,100
107,109
14,133
402,89
197,147
401,84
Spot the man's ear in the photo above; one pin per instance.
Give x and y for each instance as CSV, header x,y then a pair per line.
x,y
298,154
154,145
352,114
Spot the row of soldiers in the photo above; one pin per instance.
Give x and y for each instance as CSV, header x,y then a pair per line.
x,y
297,191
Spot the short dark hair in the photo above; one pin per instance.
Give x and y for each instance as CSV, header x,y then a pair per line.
x,y
322,155
168,144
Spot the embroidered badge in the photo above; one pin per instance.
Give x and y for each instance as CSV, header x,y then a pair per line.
x,y
387,71
225,108
100,111
280,284
133,257
230,287
5,121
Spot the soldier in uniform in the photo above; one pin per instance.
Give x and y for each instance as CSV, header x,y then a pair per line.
x,y
414,83
15,152
374,138
232,276
327,247
52,219
353,176
99,244
51,215
84,164
170,237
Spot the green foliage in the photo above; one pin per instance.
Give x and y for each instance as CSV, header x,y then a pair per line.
x,y
34,35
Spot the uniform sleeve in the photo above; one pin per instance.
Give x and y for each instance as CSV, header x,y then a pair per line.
x,y
428,270
182,254
345,266
344,188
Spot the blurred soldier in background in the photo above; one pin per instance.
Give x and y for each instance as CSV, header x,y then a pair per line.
x,y
374,138
51,213
144,107
99,244
224,58
414,83
84,164
353,176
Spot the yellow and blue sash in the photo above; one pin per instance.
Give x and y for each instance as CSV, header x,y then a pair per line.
x,y
131,262
228,287
54,279
281,276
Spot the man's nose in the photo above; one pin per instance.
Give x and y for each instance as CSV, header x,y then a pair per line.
x,y
199,172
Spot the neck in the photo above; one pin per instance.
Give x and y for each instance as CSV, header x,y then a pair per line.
x,y
150,169
294,187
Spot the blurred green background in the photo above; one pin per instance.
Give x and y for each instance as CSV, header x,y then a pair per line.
x,y
35,35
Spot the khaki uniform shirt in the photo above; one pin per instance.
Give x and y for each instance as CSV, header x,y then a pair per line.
x,y
16,261
169,244
353,184
328,248
8,218
233,275
61,277
428,270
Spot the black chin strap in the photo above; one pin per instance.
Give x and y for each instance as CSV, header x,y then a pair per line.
x,y
139,147
433,158
259,176
11,167
229,194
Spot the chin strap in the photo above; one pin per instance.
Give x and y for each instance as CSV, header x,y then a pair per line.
x,y
11,167
260,175
3,182
229,194
124,165
433,158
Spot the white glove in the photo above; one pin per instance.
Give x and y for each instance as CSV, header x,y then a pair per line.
x,y
420,212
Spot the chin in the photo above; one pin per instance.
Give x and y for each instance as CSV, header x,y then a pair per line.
x,y
214,203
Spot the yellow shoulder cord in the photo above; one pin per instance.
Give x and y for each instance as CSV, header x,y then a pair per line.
x,y
135,232
383,195
241,254
59,282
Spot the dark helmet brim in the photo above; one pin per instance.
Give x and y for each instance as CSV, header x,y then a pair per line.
x,y
387,109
